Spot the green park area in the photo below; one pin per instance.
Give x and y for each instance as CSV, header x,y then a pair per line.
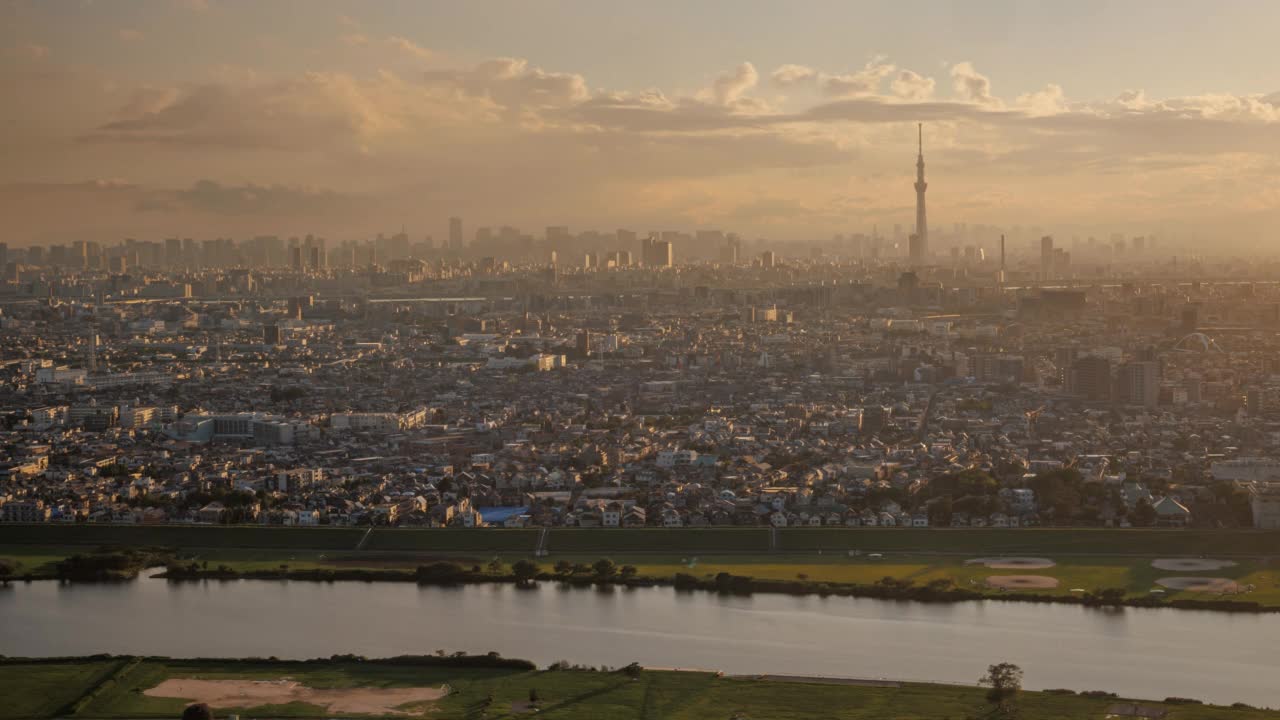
x,y
161,688
1234,564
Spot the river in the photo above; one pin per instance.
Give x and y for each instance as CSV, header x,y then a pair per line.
x,y
1145,653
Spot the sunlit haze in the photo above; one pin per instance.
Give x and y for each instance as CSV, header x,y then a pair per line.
x,y
206,118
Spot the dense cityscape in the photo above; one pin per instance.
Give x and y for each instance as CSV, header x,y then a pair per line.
x,y
663,361
267,381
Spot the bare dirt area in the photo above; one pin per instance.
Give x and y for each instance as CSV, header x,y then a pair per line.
x,y
393,561
251,693
1190,564
1013,563
1200,584
1022,582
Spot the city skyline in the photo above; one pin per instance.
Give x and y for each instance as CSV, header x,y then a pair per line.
x,y
153,119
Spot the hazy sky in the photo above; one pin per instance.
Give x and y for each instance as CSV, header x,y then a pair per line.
x,y
787,120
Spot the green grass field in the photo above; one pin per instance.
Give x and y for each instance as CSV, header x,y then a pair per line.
x,y
40,690
1086,559
678,540
1042,541
1026,541
323,538
445,540
46,690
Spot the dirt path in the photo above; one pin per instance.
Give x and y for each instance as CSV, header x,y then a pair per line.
x,y
244,694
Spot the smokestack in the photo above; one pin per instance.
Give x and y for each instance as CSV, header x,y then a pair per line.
x,y
1002,252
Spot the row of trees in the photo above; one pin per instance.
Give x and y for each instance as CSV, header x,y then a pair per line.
x,y
526,571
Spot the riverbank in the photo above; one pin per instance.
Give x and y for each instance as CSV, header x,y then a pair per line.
x,y
887,588
1239,585
756,540
493,687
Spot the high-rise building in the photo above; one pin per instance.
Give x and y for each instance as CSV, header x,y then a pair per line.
x,y
919,242
455,233
626,239
1091,378
657,253
1046,257
1140,383
731,250
1064,358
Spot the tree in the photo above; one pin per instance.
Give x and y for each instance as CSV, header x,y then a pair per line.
x,y
525,570
199,711
604,568
7,570
627,572
440,572
564,567
1144,515
495,566
940,512
1005,680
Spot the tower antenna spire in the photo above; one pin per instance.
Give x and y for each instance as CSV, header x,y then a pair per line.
x,y
919,247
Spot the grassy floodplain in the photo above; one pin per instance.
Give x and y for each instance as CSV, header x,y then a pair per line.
x,y
114,688
1085,559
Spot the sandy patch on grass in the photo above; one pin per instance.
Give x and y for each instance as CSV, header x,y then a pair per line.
x,y
1022,582
1200,584
1190,564
252,693
1013,563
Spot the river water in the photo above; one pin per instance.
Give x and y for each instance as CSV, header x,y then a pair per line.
x,y
1143,653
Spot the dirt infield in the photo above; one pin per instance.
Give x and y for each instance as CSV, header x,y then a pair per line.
x,y
1200,584
1013,563
1022,582
245,694
1190,564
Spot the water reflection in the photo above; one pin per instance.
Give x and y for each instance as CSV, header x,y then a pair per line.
x,y
1135,652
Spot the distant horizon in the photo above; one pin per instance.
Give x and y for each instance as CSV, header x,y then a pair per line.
x,y
205,119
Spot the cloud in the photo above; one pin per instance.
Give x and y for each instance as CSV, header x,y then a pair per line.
x,y
791,75
208,196
971,85
1048,101
866,81
912,86
640,156
1132,100
409,48
317,112
129,35
512,83
730,87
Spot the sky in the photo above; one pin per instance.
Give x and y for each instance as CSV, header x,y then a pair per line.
x,y
787,121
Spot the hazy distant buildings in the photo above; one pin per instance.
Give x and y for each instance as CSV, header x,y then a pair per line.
x,y
657,253
1090,378
1139,383
455,234
731,249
